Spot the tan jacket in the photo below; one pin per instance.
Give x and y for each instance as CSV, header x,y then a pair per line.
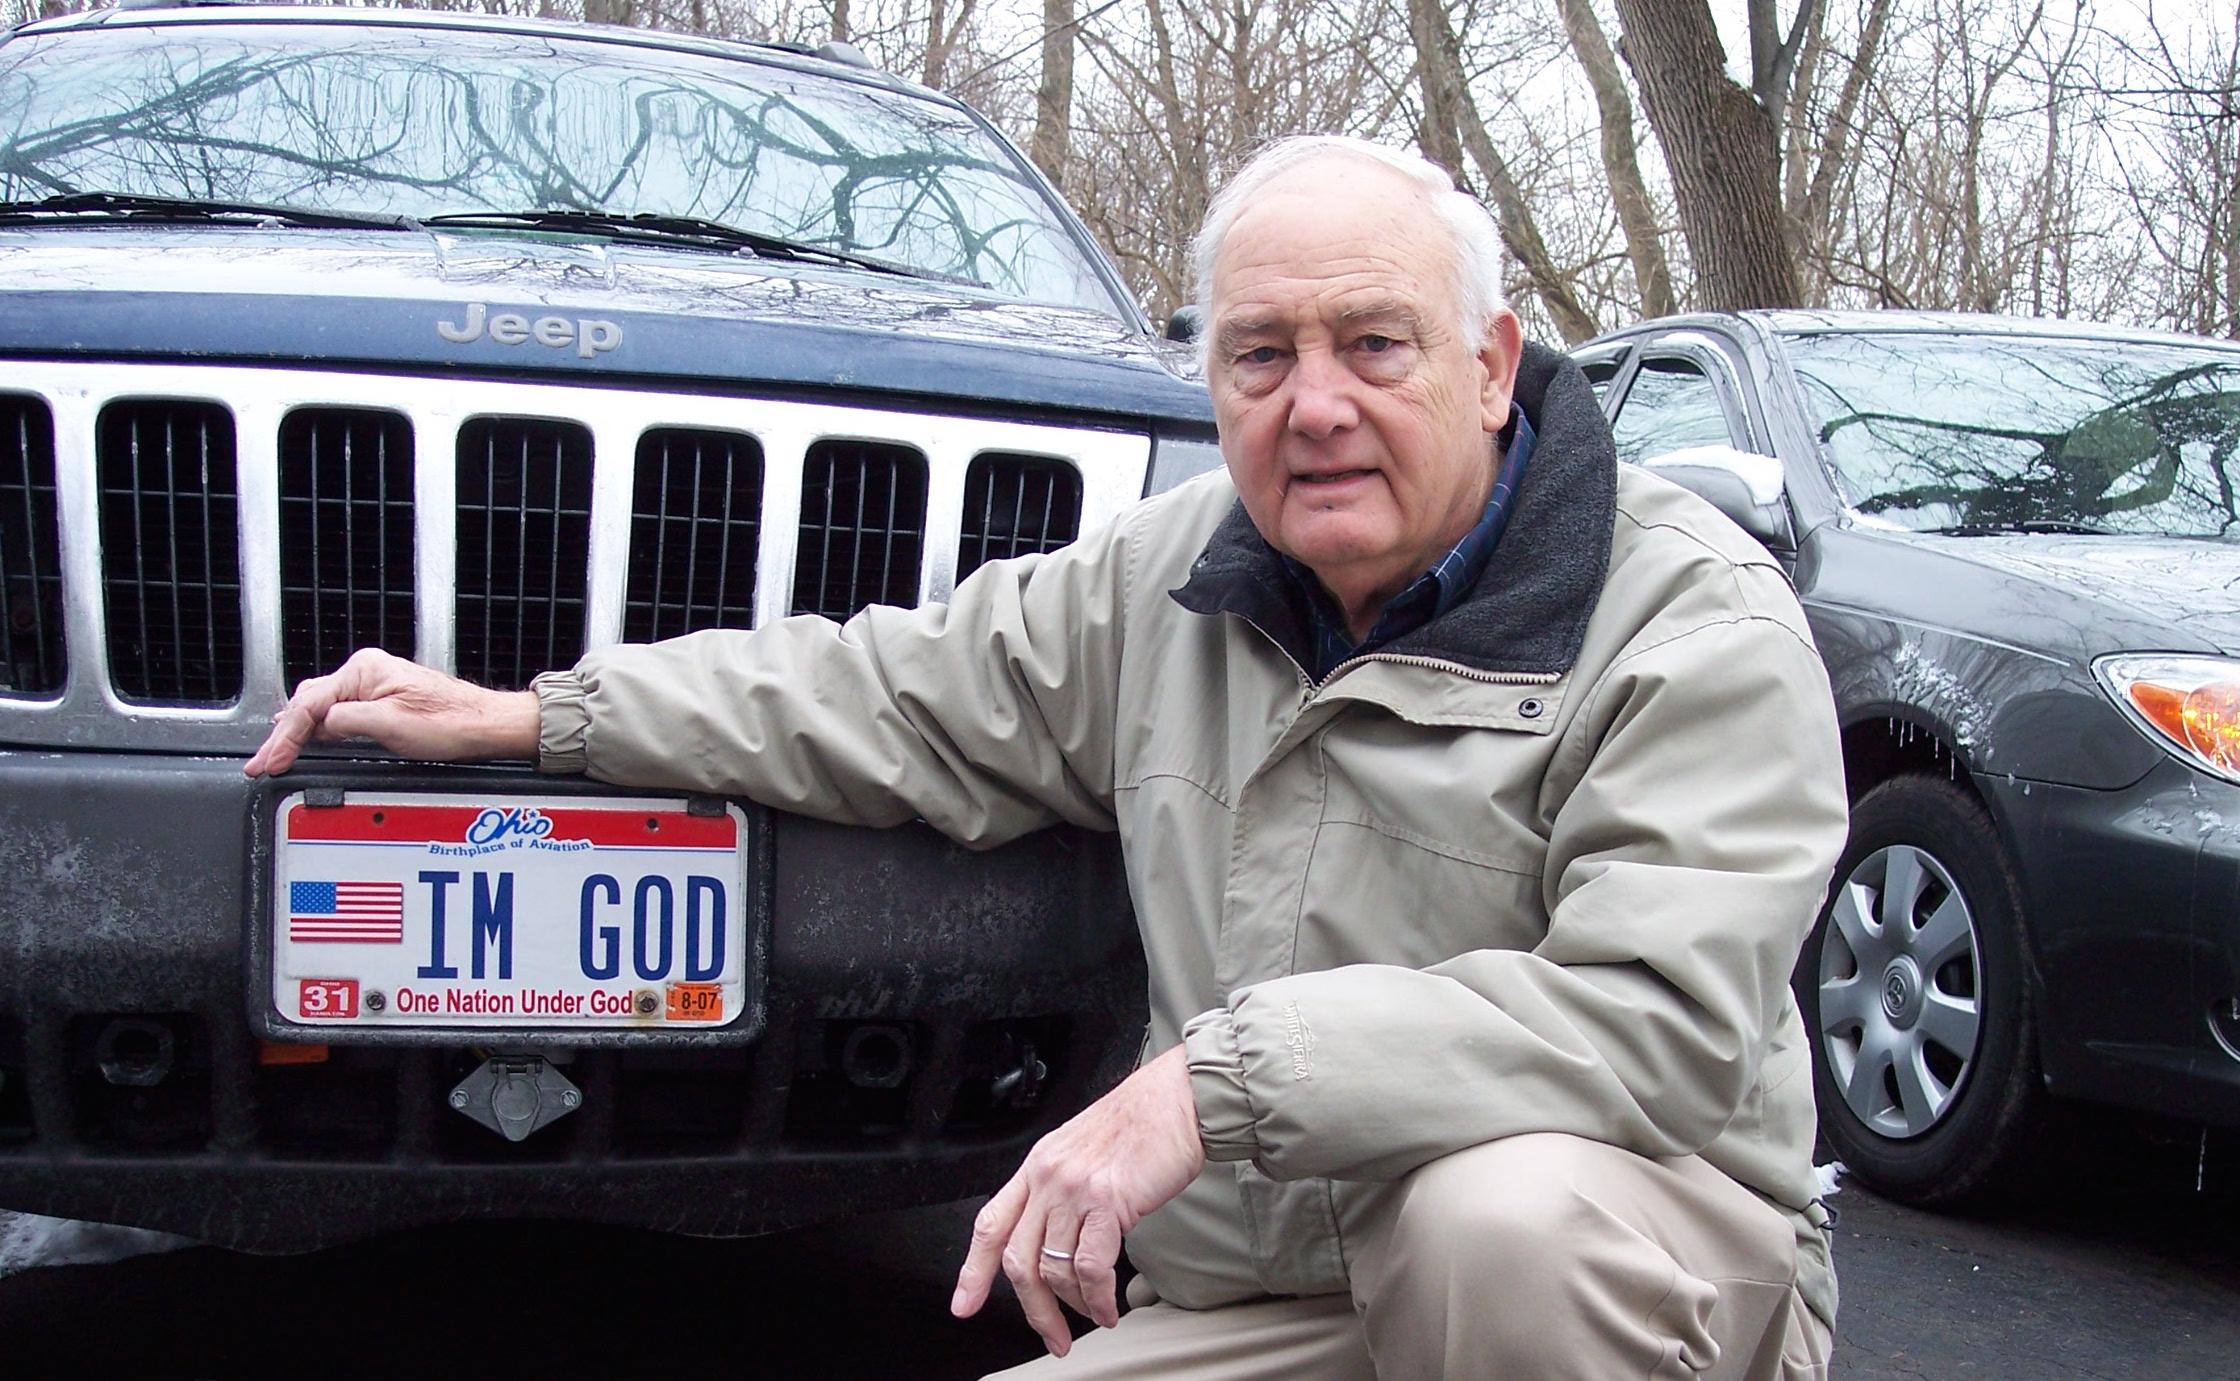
x,y
1544,864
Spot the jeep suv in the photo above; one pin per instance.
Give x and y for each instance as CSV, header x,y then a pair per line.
x,y
487,341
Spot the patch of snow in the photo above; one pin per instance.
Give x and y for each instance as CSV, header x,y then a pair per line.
x,y
1762,474
1829,1177
1731,19
1876,521
1924,682
28,1240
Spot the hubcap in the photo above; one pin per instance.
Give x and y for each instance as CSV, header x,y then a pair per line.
x,y
1900,990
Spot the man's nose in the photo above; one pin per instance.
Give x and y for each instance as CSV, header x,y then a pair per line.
x,y
1321,395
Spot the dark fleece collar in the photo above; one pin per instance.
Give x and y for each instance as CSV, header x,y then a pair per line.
x,y
1528,613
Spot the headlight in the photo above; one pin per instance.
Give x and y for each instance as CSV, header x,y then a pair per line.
x,y
2190,703
1177,458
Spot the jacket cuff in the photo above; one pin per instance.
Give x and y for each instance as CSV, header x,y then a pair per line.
x,y
1226,1122
563,723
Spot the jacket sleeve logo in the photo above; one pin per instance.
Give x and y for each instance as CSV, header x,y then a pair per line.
x,y
1298,1037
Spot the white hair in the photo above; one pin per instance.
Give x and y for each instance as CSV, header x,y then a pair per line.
x,y
1476,240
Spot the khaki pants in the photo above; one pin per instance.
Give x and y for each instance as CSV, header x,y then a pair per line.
x,y
1532,1257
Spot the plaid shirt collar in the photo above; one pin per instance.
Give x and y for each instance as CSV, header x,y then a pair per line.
x,y
1435,591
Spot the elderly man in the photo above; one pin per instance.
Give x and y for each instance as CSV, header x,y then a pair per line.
x,y
1475,794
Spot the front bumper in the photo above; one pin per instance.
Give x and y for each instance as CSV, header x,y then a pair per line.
x,y
126,934
2133,905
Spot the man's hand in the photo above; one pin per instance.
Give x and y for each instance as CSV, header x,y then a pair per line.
x,y
404,707
1082,1187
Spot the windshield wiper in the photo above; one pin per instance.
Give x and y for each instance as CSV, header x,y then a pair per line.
x,y
651,228
2046,525
132,207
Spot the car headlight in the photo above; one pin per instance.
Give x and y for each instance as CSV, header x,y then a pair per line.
x,y
2190,703
1177,458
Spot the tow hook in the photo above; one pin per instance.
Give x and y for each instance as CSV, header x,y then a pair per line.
x,y
514,1095
1019,1087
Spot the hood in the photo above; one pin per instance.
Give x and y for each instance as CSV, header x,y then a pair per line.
x,y
2191,584
2070,596
587,309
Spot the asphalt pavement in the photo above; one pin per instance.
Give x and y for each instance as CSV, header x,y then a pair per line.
x,y
2131,1273
2127,1266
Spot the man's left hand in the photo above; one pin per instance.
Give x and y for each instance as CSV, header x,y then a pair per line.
x,y
1056,1227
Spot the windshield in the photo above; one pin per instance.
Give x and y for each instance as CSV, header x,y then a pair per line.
x,y
421,122
1936,433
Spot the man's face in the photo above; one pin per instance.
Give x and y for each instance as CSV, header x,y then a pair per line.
x,y
1354,419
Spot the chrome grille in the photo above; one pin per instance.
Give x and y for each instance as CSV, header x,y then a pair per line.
x,y
695,521
506,575
31,634
345,536
524,537
863,524
1014,505
170,552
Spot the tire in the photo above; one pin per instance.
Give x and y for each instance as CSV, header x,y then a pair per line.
x,y
1916,992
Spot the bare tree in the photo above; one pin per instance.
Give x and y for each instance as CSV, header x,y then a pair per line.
x,y
1815,163
1173,95
1450,121
1719,143
1629,192
943,32
2185,191
2010,155
1955,170
1053,114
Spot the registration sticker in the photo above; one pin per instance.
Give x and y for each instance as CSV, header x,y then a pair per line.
x,y
467,911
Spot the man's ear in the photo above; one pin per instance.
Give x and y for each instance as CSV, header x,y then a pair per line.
x,y
1504,347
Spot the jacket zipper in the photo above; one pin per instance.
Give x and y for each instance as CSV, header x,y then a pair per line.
x,y
1495,678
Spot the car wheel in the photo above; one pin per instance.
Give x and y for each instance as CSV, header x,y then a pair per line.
x,y
1916,993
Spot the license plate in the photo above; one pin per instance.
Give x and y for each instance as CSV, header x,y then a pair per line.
x,y
465,911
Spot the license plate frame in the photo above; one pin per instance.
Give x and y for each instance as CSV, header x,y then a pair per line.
x,y
678,1019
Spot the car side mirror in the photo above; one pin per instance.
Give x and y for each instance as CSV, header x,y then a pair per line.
x,y
1744,486
1188,320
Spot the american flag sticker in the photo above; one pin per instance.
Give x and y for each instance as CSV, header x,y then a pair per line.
x,y
360,913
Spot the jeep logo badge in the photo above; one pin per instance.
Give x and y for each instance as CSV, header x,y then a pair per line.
x,y
589,335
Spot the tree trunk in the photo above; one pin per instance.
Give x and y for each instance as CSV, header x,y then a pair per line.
x,y
937,46
2231,231
1440,136
1187,148
1773,58
1796,168
2048,242
840,31
1621,163
1053,135
1828,164
1447,104
1719,146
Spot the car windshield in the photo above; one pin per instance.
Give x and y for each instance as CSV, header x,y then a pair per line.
x,y
2016,434
398,120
